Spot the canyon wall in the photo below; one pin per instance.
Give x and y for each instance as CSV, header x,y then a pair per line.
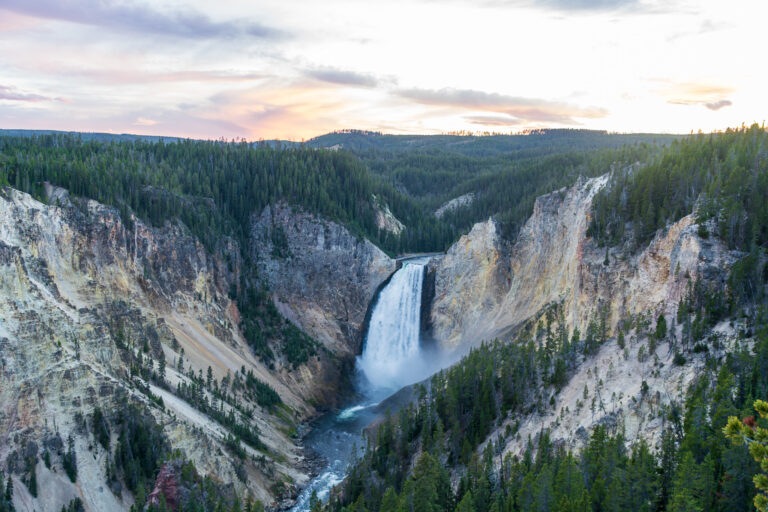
x,y
486,289
321,277
82,297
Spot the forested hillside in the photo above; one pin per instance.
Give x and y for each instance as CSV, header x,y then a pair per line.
x,y
722,175
695,469
524,145
214,187
505,173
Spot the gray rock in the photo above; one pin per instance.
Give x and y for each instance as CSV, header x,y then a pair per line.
x,y
321,276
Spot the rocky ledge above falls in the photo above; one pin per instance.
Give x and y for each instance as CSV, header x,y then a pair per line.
x,y
321,276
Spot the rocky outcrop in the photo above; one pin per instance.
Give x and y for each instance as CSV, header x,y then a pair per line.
x,y
321,276
178,484
485,290
617,389
455,204
385,220
81,294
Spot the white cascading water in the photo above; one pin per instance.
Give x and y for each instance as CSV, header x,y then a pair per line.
x,y
391,356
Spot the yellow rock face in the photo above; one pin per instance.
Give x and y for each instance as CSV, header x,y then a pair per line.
x,y
484,289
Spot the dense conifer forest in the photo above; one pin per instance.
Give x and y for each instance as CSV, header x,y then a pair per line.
x,y
696,468
720,176
215,187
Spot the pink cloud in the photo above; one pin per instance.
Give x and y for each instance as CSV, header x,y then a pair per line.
x,y
521,108
9,93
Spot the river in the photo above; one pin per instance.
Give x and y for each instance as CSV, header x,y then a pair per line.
x,y
392,358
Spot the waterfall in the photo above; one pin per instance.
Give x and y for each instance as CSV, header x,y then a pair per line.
x,y
391,356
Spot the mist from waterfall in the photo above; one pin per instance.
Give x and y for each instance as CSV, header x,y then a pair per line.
x,y
392,356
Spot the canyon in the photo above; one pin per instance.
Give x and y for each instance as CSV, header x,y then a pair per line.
x,y
83,291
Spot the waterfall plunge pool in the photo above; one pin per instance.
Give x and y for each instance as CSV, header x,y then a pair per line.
x,y
393,357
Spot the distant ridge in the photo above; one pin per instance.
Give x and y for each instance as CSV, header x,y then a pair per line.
x,y
363,141
95,136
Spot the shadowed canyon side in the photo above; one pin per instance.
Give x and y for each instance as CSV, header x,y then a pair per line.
x,y
321,276
485,289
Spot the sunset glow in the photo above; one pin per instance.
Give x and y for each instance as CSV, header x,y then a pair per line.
x,y
296,69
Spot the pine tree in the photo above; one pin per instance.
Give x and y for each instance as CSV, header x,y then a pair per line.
x,y
8,493
756,438
389,502
661,327
32,482
466,504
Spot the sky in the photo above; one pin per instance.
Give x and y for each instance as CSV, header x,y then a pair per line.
x,y
294,69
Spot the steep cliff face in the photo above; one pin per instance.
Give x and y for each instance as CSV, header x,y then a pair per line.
x,y
385,220
82,298
625,390
484,290
471,280
321,276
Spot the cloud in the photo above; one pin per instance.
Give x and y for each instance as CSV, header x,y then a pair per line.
x,y
129,76
706,27
587,5
9,93
524,109
342,77
171,121
572,6
711,96
143,121
711,105
698,89
493,120
110,14
717,105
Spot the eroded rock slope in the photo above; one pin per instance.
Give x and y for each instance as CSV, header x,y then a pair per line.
x,y
89,306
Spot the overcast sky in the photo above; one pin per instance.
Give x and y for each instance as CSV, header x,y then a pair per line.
x,y
299,68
